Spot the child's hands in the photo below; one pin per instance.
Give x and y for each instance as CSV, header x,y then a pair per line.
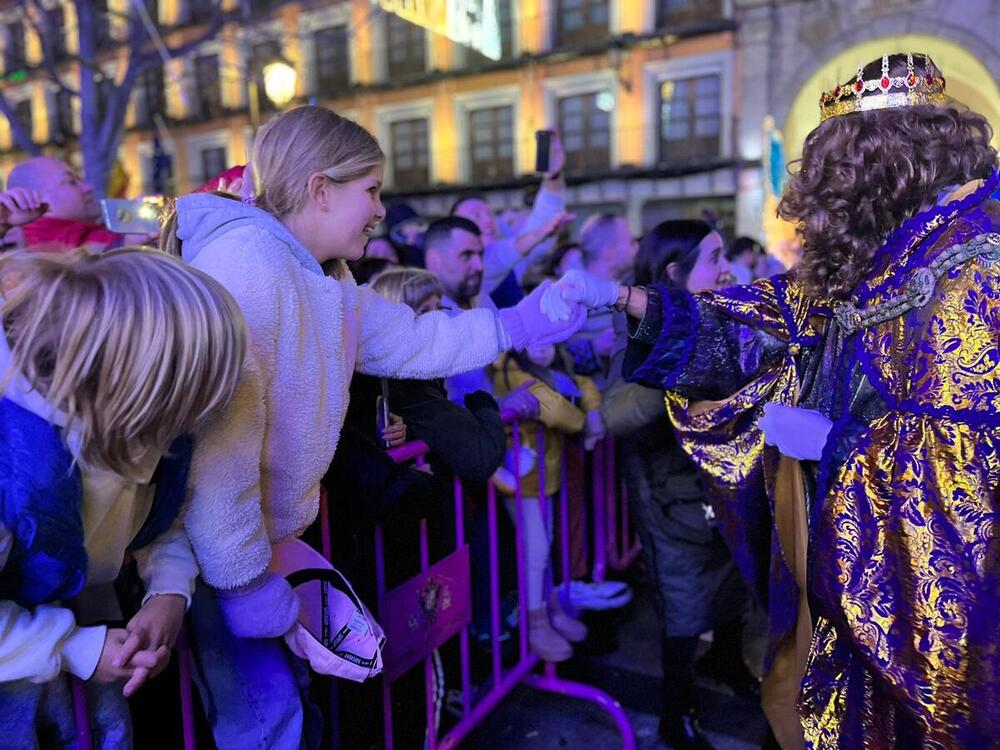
x,y
152,631
136,671
157,624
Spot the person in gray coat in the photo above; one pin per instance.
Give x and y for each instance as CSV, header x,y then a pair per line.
x,y
698,587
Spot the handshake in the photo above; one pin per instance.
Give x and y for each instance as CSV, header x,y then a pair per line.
x,y
577,288
554,311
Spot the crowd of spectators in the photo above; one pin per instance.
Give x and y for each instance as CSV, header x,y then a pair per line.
x,y
473,259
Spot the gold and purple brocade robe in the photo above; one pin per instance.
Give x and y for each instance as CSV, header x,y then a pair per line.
x,y
903,569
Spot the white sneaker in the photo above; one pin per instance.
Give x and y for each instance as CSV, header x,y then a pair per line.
x,y
598,595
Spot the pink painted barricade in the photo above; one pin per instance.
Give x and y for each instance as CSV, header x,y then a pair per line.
x,y
616,544
434,607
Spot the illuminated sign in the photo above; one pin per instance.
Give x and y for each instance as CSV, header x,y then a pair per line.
x,y
473,23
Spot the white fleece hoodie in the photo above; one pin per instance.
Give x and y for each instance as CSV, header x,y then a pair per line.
x,y
257,467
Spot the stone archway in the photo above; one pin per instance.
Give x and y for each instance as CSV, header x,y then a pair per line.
x,y
970,81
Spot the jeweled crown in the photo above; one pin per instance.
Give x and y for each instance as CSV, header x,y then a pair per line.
x,y
896,91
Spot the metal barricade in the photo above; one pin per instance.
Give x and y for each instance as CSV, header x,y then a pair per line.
x,y
503,680
610,546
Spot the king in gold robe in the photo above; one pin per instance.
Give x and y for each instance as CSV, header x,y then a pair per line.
x,y
879,563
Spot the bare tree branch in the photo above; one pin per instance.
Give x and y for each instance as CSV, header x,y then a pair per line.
x,y
21,136
45,35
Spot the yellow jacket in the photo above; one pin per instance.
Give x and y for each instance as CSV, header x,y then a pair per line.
x,y
558,416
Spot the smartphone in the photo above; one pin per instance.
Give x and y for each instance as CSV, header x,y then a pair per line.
x,y
543,143
134,215
381,417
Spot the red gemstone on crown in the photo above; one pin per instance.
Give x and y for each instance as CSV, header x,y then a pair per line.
x,y
930,80
911,80
884,83
836,91
858,86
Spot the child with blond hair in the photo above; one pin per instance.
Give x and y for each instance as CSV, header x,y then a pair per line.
x,y
109,361
311,197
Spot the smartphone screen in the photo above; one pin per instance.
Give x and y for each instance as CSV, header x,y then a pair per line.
x,y
543,142
133,216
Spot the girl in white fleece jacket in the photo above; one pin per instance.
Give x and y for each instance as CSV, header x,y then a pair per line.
x,y
105,359
256,473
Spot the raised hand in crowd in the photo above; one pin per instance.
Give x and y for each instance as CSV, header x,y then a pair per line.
x,y
20,206
527,241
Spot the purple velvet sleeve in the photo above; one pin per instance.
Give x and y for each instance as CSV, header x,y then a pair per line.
x,y
697,349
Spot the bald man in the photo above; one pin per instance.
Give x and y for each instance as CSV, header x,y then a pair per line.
x,y
73,217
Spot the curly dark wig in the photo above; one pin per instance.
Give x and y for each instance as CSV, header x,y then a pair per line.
x,y
863,174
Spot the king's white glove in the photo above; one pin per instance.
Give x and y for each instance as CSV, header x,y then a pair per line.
x,y
796,433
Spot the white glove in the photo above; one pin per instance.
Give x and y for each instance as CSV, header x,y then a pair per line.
x,y
797,433
587,289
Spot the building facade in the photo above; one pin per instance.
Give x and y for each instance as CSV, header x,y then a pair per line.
x,y
660,103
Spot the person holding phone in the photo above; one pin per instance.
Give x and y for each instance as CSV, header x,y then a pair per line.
x,y
506,259
73,218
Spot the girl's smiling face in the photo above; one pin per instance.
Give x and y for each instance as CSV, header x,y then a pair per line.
x,y
352,213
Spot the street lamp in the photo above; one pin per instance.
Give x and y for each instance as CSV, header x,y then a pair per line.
x,y
279,78
279,82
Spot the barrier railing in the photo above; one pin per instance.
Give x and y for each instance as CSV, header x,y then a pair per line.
x,y
612,543
502,681
612,546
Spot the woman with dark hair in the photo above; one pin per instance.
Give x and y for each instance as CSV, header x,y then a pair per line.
x,y
860,390
698,587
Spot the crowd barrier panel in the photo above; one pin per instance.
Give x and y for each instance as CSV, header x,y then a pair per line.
x,y
436,577
610,547
616,544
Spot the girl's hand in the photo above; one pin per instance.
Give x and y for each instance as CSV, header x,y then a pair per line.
x,y
110,667
394,433
157,624
153,630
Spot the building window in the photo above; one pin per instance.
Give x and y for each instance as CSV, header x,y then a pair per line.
x,y
690,119
105,90
491,143
332,60
56,33
406,47
22,113
208,87
264,7
153,98
264,52
213,161
719,211
13,56
410,152
505,16
581,21
585,129
102,25
61,127
681,12
202,10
